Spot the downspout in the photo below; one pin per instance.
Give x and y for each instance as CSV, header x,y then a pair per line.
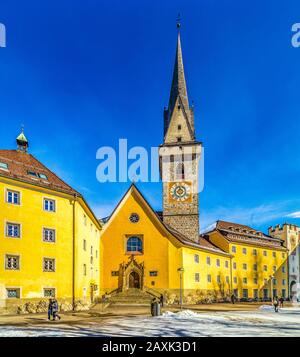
x,y
231,281
73,252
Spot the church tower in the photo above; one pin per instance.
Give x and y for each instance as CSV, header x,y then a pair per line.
x,y
179,157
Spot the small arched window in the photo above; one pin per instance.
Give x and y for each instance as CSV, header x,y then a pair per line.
x,y
180,171
134,245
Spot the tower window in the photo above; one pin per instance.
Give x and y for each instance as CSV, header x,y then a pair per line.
x,y
134,245
180,171
179,127
179,139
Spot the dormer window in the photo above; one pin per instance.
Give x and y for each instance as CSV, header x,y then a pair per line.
x,y
3,166
32,173
37,175
43,176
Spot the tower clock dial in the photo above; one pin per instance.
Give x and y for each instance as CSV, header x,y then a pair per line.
x,y
180,191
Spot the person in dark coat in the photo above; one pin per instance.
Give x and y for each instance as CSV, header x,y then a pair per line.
x,y
161,300
50,310
275,303
281,300
232,298
55,310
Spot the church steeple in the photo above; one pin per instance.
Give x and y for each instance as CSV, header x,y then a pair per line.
x,y
178,95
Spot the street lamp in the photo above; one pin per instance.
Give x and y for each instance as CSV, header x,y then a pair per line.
x,y
180,271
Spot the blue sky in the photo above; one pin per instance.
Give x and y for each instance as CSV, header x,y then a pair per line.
x,y
82,74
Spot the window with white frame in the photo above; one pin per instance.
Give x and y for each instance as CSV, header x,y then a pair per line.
x,y
274,254
13,293
233,249
254,252
234,265
49,264
255,280
12,262
3,166
265,253
245,280
49,235
197,277
49,292
245,266
283,281
235,280
265,268
13,197
13,230
218,262
209,278
49,205
208,260
226,264
244,250
218,279
227,279
153,273
255,267
196,258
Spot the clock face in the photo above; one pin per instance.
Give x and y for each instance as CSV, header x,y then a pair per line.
x,y
180,191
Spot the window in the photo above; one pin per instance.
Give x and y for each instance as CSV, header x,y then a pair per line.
x,y
13,230
255,267
255,293
274,281
134,244
84,219
218,262
245,266
84,244
265,268
84,269
49,292
218,279
134,218
197,277
266,293
234,265
196,258
254,252
244,251
49,205
179,139
153,273
283,269
49,265
265,253
283,293
43,176
180,171
13,293
115,273
208,260
274,268
32,173
283,281
245,293
274,254
283,255
226,264
13,197
91,260
233,249
274,292
3,166
255,280
227,279
12,262
179,127
245,280
265,281
209,278
49,235
235,280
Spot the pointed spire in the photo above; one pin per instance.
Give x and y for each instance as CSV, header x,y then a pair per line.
x,y
178,88
22,141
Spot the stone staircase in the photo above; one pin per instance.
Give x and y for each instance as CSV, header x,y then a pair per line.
x,y
131,297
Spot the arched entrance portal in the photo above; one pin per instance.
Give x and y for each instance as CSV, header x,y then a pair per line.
x,y
134,280
293,290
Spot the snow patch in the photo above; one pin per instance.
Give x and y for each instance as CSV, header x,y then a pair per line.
x,y
266,308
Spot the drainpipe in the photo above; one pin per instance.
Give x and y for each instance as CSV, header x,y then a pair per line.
x,y
231,281
73,253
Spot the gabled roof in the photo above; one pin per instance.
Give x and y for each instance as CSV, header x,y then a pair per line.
x,y
20,163
159,217
234,232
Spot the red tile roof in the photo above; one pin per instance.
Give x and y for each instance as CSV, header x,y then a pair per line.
x,y
19,163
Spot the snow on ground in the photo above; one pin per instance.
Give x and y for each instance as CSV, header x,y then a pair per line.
x,y
262,322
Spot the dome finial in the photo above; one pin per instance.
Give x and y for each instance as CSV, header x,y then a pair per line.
x,y
22,141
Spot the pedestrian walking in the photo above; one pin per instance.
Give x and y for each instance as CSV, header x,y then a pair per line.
x,y
275,303
50,310
55,310
281,300
232,298
161,300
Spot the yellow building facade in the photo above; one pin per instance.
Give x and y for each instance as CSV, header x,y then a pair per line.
x,y
49,237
